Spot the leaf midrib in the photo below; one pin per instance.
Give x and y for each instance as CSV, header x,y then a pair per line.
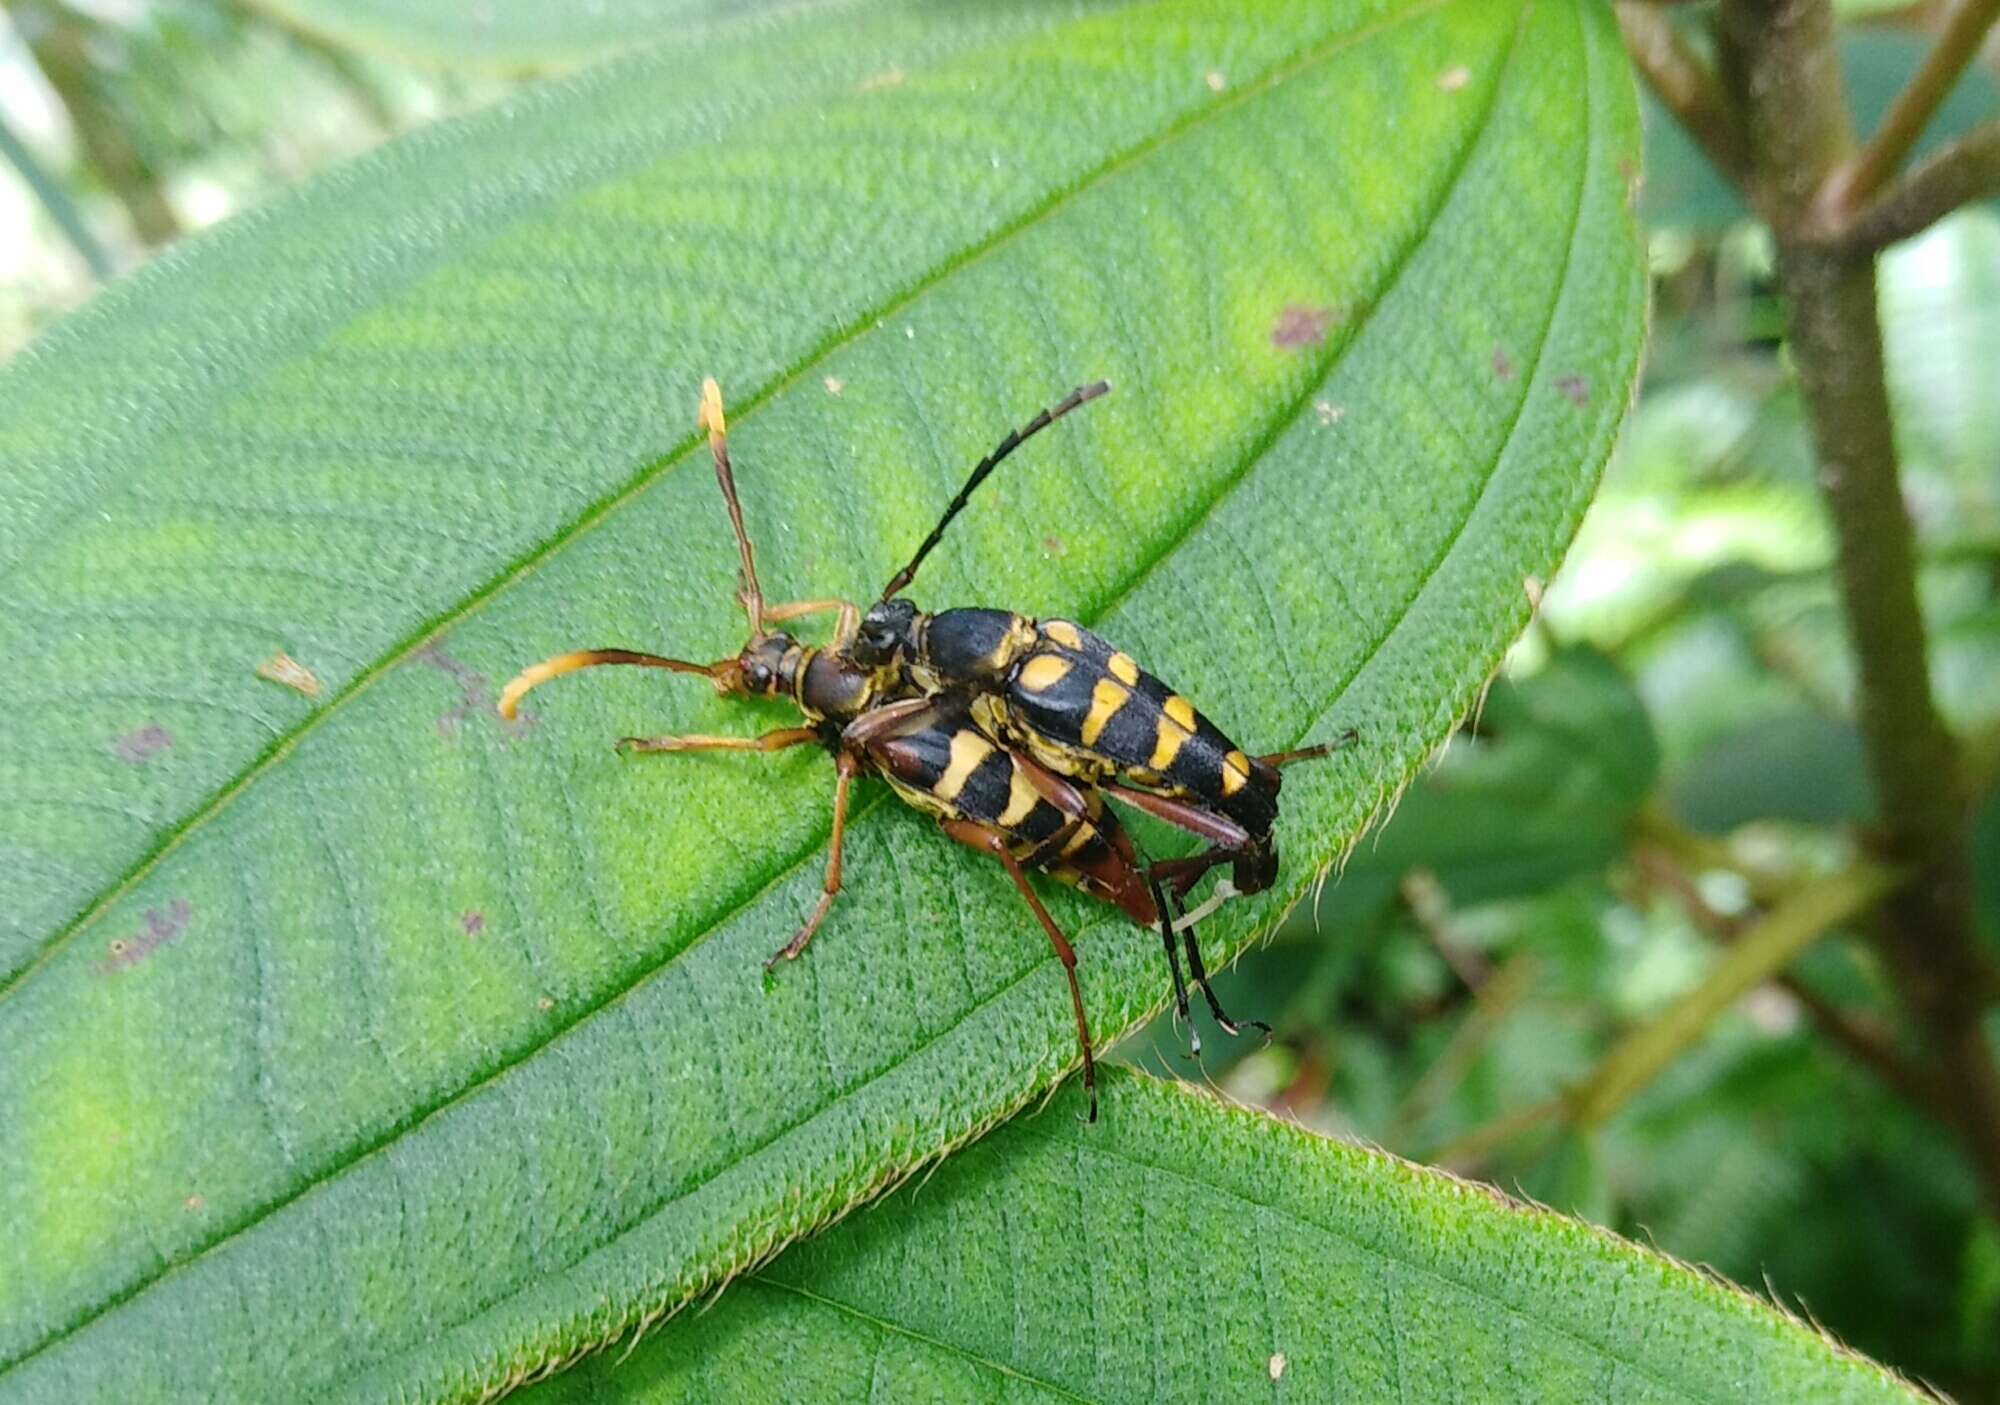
x,y
888,1328
861,325
1283,71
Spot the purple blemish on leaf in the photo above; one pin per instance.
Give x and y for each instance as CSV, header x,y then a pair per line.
x,y
136,748
1301,326
475,695
160,928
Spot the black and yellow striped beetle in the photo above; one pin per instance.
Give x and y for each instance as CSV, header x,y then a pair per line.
x,y
928,747
1087,711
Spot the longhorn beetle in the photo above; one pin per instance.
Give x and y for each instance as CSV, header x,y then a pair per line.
x,y
1088,711
928,747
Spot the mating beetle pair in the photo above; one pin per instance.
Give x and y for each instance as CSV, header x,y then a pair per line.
x,y
1008,731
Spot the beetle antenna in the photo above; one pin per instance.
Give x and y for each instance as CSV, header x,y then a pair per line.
x,y
1082,395
709,417
534,675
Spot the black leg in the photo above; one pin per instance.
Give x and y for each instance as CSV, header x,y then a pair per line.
x,y
1174,962
1200,975
1183,874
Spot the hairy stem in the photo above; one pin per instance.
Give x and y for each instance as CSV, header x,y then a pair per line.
x,y
1778,57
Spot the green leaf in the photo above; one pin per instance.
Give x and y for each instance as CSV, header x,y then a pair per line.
x,y
1185,1250
503,34
359,1044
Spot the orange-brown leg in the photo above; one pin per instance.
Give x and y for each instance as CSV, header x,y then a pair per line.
x,y
992,841
845,765
844,628
1311,753
769,741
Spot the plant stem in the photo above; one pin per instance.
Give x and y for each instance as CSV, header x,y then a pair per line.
x,y
1856,179
1965,171
1765,948
1687,88
1778,57
1863,1040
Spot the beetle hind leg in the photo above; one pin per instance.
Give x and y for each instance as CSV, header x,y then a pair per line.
x,y
987,840
1174,963
1174,918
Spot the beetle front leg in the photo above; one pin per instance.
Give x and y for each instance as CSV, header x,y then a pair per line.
x,y
845,626
769,741
845,765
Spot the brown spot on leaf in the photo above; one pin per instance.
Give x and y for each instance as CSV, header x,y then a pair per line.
x,y
1054,546
888,78
834,385
545,1004
160,928
1454,78
194,1204
137,747
1300,326
475,695
1216,80
1575,389
283,669
1503,365
472,922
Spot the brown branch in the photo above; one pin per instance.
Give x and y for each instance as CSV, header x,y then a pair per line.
x,y
1855,180
1869,1044
1863,1040
1778,57
1687,88
1961,173
1764,949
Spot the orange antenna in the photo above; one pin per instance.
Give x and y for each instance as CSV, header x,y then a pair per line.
x,y
709,417
535,675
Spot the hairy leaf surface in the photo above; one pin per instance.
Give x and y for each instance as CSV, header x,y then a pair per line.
x,y
1187,1250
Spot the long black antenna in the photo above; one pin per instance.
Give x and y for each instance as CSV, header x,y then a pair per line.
x,y
1083,394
